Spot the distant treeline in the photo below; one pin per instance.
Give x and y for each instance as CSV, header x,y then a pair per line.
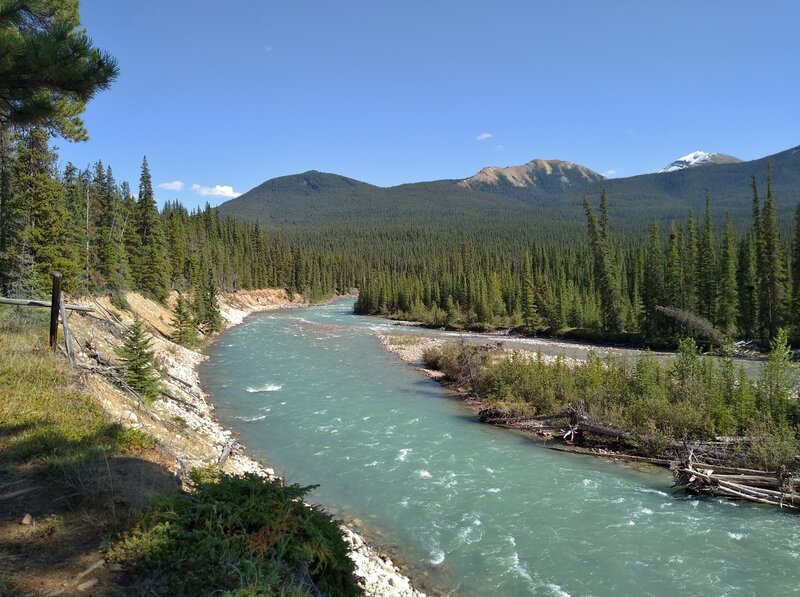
x,y
102,238
699,279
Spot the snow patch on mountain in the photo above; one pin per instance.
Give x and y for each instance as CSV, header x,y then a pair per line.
x,y
699,158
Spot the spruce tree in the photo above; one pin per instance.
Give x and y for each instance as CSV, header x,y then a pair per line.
x,y
530,315
152,266
728,304
653,283
747,280
690,253
185,332
771,268
673,278
707,270
604,269
10,217
138,362
795,310
41,204
207,313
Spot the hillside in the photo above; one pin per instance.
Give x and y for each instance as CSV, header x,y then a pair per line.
x,y
540,190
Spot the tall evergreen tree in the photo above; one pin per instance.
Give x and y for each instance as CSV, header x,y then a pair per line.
x,y
44,235
747,279
795,310
771,269
690,252
728,304
604,270
707,270
184,330
674,277
152,268
653,283
10,216
530,314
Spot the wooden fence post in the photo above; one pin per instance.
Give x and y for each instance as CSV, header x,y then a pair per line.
x,y
55,308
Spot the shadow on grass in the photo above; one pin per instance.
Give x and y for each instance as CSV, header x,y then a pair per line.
x,y
74,514
43,446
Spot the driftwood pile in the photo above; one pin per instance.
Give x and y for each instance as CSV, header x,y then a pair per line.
x,y
776,488
702,472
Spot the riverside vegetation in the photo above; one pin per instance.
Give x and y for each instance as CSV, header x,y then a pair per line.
x,y
660,408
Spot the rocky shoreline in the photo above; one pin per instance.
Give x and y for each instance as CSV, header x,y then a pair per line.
x,y
183,421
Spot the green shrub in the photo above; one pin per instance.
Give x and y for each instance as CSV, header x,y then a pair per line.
x,y
244,535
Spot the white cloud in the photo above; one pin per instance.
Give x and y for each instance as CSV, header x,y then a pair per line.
x,y
499,148
219,190
175,185
610,173
484,136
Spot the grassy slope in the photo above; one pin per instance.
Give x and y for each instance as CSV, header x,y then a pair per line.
x,y
60,458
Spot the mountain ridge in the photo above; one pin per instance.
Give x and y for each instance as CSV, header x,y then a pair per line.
x,y
538,191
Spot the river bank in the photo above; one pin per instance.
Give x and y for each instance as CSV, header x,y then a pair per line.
x,y
411,350
188,433
730,466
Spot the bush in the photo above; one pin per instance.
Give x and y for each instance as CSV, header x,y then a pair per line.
x,y
246,535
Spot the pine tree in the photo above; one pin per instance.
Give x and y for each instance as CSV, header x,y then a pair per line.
x,y
673,278
795,310
206,308
10,217
185,332
653,283
690,253
728,306
40,201
771,268
707,270
50,68
604,270
747,280
152,267
530,315
138,362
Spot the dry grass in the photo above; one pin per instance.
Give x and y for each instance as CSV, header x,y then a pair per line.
x,y
46,422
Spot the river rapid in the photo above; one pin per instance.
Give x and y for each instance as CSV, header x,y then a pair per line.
x,y
471,508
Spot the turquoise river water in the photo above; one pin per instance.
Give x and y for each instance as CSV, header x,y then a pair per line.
x,y
473,509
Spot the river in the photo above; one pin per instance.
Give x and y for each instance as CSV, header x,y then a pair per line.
x,y
474,509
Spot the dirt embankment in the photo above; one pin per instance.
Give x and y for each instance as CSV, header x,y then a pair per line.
x,y
183,420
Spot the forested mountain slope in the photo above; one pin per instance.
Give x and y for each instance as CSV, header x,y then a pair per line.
x,y
523,193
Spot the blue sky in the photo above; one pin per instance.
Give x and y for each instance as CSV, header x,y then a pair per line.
x,y
222,96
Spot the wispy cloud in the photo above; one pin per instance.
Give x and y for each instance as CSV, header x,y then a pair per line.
x,y
610,173
175,185
499,148
484,136
219,190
